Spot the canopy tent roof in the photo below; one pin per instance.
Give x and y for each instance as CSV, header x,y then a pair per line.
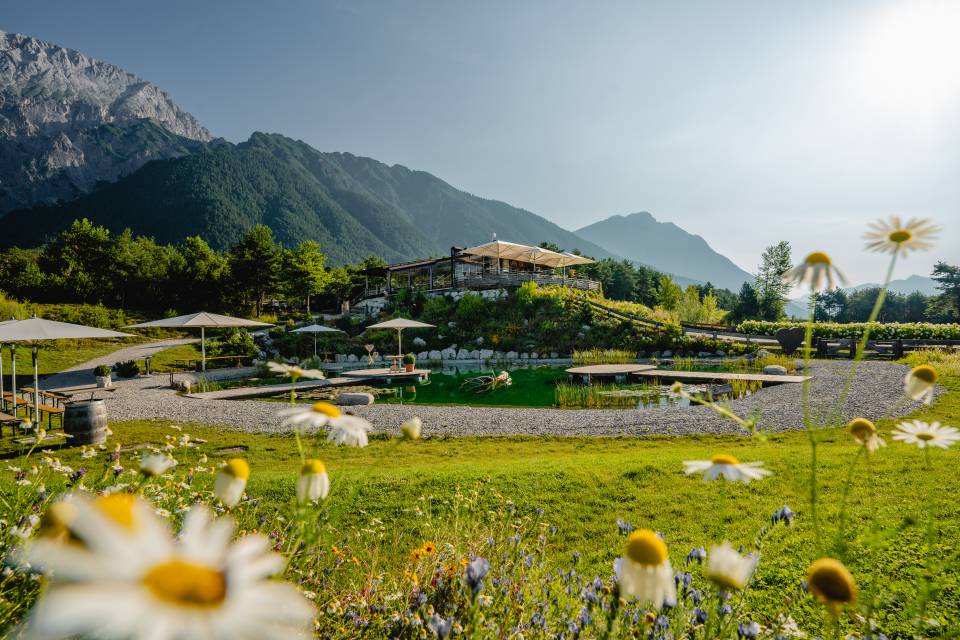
x,y
401,323
526,253
201,319
37,329
317,328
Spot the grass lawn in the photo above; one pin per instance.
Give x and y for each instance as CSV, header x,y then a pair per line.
x,y
390,497
166,360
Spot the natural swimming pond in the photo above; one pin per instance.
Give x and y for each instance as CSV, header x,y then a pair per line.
x,y
544,387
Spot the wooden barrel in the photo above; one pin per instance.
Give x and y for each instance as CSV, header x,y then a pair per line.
x,y
86,422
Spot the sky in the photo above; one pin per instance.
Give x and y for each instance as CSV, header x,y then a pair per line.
x,y
744,122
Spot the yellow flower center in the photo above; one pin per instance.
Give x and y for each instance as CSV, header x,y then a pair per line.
x,y
818,257
925,436
311,467
428,548
830,581
925,373
722,458
645,547
187,584
238,468
326,409
861,428
119,508
900,235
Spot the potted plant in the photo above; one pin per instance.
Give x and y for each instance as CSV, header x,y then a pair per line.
x,y
409,362
102,374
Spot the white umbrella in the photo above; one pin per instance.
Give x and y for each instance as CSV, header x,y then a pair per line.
x,y
36,330
498,249
400,324
201,320
315,329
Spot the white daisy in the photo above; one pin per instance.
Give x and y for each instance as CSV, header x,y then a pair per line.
x,y
644,571
349,430
920,383
817,270
412,428
865,432
231,481
896,237
313,483
293,371
924,434
117,586
722,465
156,464
316,415
728,569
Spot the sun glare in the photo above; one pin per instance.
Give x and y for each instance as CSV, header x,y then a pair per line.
x,y
905,62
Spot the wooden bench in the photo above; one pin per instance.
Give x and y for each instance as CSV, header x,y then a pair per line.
x,y
51,411
7,419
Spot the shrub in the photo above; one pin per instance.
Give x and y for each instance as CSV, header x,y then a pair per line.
x,y
878,330
409,359
102,371
127,369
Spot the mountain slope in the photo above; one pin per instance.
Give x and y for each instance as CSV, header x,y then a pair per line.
x,y
68,121
301,194
667,247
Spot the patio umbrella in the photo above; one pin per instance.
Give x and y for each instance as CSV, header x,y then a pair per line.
x,y
37,330
201,320
315,329
498,249
565,259
400,324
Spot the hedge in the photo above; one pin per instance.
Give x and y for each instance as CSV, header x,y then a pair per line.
x,y
878,330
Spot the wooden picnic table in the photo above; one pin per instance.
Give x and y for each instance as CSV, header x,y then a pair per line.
x,y
57,398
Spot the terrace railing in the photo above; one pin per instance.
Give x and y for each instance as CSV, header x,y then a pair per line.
x,y
494,279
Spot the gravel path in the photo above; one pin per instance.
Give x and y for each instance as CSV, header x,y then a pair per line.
x,y
876,392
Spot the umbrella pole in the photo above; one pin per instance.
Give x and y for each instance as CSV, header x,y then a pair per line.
x,y
36,387
399,349
203,350
13,376
314,345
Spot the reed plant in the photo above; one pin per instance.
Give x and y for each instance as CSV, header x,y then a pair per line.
x,y
588,357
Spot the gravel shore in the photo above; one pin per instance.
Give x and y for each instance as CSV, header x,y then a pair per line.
x,y
876,392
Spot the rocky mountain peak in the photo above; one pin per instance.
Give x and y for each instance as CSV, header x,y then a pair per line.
x,y
45,89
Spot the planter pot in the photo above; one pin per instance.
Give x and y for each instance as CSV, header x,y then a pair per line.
x,y
104,382
409,367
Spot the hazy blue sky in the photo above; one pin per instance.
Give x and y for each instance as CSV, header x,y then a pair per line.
x,y
746,122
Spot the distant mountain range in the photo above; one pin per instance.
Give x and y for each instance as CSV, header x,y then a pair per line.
x,y
664,245
84,138
905,286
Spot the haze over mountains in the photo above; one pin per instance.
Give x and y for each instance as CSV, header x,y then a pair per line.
x,y
84,138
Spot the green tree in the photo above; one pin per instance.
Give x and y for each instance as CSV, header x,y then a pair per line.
x,y
669,294
255,262
772,290
80,262
340,284
20,274
830,306
201,275
947,277
748,305
304,272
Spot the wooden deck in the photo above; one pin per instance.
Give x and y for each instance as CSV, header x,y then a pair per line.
x,y
387,375
267,390
618,372
717,376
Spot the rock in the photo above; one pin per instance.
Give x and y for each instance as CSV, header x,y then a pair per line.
x,y
721,354
534,356
554,355
705,354
419,342
486,354
479,341
774,370
475,354
524,356
340,358
655,354
181,385
423,356
449,354
354,399
667,353
463,354
762,353
512,355
435,355
352,358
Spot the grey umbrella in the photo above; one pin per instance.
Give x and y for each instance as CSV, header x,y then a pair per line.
x,y
400,324
315,329
201,320
37,330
